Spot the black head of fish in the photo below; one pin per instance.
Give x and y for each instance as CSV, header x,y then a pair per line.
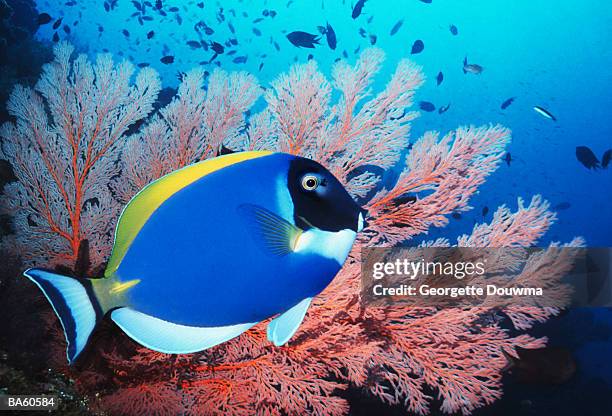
x,y
320,200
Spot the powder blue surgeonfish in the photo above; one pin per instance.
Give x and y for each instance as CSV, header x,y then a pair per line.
x,y
206,252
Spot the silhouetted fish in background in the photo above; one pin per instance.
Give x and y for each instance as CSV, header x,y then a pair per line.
x,y
561,206
426,1
43,19
417,47
605,159
57,23
471,68
507,103
330,35
544,113
168,59
587,157
508,158
444,109
357,9
427,106
439,78
485,211
396,27
453,30
303,39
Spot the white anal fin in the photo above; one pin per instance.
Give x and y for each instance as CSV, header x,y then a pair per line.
x,y
170,338
282,328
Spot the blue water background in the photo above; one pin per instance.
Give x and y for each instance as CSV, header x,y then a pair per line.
x,y
553,54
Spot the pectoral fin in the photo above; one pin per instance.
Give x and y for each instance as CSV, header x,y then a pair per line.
x,y
282,328
171,338
276,234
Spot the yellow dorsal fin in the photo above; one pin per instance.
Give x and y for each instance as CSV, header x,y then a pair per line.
x,y
144,203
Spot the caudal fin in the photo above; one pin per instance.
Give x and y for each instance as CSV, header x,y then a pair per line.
x,y
73,303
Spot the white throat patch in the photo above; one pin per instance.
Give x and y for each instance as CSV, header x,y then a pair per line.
x,y
333,245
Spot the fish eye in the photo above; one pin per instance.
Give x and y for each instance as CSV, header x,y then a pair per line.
x,y
310,182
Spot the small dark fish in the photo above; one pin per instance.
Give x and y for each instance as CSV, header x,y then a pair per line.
x,y
456,215
426,1
373,39
444,109
561,206
507,103
261,65
272,14
358,9
485,211
276,45
544,113
605,159
508,158
125,33
256,31
66,29
471,68
173,9
427,106
303,39
194,44
259,19
43,19
55,37
330,34
362,32
587,157
439,78
200,5
239,60
417,47
168,59
70,3
453,30
57,23
143,65
310,57
396,27
231,27
217,47
150,34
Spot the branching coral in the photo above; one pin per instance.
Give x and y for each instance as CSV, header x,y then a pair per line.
x,y
396,353
63,148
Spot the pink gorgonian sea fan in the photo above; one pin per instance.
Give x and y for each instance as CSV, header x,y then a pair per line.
x,y
76,165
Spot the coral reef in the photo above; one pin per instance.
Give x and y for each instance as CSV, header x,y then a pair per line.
x,y
69,188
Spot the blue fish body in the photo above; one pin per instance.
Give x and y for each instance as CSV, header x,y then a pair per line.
x,y
201,265
208,251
